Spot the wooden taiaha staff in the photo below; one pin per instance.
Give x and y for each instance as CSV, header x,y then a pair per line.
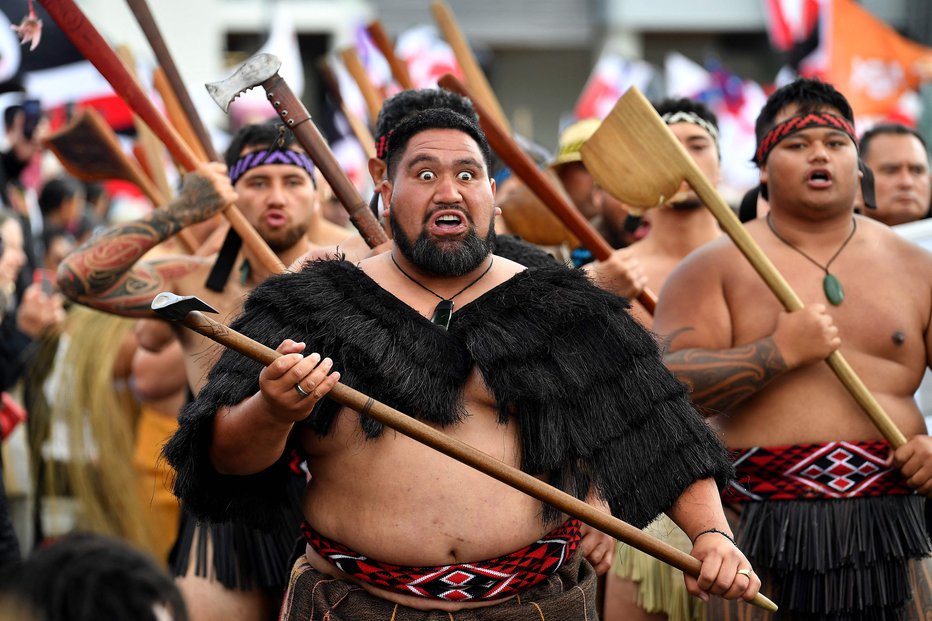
x,y
475,78
188,311
362,133
636,157
92,46
150,28
370,93
384,43
176,114
525,168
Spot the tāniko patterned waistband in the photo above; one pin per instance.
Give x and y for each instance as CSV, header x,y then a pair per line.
x,y
814,472
493,579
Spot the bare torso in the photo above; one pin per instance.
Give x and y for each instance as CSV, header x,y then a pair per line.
x,y
409,489
883,324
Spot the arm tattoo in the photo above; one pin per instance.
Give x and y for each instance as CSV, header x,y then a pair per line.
x,y
719,379
104,272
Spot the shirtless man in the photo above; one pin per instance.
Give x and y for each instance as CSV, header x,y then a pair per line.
x,y
639,586
107,273
510,371
831,525
902,190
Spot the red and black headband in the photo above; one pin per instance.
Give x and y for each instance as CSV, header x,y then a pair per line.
x,y
796,124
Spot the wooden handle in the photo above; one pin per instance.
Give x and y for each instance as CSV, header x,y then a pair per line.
x,y
94,48
526,170
176,114
788,298
398,66
468,455
298,119
362,133
150,28
467,60
369,92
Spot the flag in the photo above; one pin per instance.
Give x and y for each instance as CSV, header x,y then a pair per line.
x,y
55,72
736,102
611,77
427,55
790,21
876,68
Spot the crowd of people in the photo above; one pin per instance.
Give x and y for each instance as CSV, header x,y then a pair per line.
x,y
170,478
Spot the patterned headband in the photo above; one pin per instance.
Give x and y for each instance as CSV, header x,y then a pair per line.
x,y
381,145
796,124
671,118
254,159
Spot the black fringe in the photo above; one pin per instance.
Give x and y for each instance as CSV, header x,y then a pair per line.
x,y
582,378
837,559
242,558
527,254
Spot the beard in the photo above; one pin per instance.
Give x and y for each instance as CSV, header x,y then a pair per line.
x,y
444,258
286,239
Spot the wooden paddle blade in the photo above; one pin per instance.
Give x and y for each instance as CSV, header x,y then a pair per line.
x,y
88,149
618,159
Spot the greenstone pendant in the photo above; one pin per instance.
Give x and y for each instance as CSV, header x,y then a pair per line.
x,y
833,290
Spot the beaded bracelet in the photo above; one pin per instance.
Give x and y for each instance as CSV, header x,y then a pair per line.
x,y
720,532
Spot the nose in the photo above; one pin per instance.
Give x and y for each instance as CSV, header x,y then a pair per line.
x,y
276,195
818,152
446,191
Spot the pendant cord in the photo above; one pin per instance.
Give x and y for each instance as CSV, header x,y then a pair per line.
x,y
440,297
854,228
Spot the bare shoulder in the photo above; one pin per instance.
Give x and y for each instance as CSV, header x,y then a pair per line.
x,y
893,246
504,269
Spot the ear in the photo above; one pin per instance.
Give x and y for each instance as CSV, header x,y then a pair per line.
x,y
492,184
763,174
385,190
376,170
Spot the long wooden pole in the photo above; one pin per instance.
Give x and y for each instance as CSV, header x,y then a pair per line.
x,y
369,92
92,45
525,168
150,28
384,43
468,455
362,133
475,78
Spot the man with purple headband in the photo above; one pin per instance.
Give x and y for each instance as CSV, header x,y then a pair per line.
x,y
828,514
231,572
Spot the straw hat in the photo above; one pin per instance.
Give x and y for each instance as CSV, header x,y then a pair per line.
x,y
572,140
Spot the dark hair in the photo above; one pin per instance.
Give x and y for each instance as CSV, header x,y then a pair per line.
x,y
887,129
55,192
399,106
671,105
84,577
260,135
809,95
435,118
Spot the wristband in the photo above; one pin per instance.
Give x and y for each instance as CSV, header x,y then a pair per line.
x,y
717,531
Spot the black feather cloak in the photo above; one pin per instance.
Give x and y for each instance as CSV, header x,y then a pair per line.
x,y
595,407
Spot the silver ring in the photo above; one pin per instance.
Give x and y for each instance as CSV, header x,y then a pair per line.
x,y
301,391
745,572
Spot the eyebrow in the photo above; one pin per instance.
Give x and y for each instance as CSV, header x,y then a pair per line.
x,y
424,157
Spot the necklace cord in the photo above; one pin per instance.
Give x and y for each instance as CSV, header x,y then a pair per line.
x,y
434,293
854,228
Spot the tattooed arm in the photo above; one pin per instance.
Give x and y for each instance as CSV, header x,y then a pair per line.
x,y
106,271
719,379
